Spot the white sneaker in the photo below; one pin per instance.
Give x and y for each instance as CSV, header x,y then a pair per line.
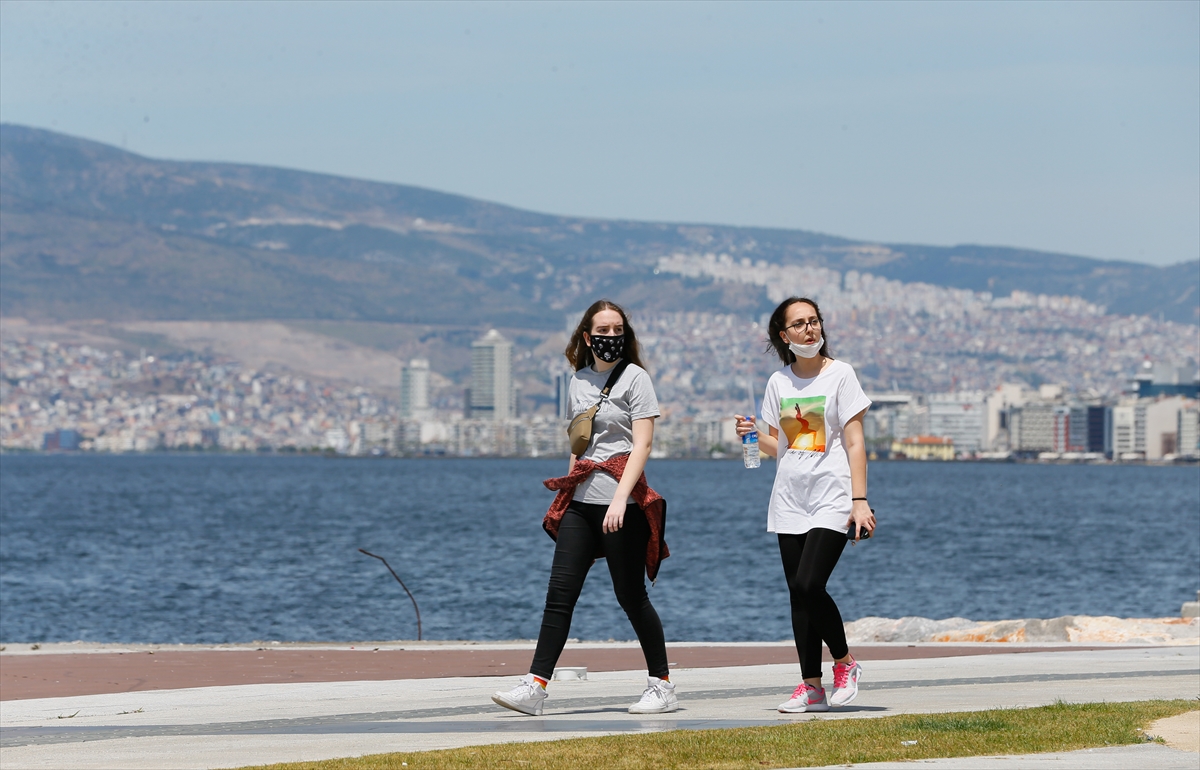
x,y
845,683
659,698
527,697
805,698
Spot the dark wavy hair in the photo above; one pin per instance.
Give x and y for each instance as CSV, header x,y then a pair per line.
x,y
779,318
578,352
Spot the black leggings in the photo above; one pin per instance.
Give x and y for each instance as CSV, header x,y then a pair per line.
x,y
625,552
808,561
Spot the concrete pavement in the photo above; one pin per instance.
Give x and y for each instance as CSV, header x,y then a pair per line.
x,y
75,668
235,725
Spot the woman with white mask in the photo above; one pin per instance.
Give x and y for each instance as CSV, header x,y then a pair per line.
x,y
819,499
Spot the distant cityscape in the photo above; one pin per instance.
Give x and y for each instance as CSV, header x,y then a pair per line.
x,y
1026,378
251,348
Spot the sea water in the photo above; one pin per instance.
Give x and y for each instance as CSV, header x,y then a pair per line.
x,y
229,548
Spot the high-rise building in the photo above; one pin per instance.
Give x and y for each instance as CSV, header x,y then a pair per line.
x,y
1031,427
1188,430
1162,426
961,417
414,389
1070,428
1128,430
562,386
1099,429
887,419
998,403
492,394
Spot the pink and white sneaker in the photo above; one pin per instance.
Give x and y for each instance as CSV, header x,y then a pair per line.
x,y
805,698
845,683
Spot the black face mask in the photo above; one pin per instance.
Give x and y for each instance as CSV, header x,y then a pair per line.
x,y
608,349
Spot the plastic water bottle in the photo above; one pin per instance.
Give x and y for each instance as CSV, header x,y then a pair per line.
x,y
750,449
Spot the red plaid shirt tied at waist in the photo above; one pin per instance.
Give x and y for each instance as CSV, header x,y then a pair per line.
x,y
651,503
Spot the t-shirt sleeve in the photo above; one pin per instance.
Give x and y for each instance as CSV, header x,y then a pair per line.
x,y
850,397
643,402
770,404
572,397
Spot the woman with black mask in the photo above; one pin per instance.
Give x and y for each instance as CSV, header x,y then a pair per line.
x,y
604,508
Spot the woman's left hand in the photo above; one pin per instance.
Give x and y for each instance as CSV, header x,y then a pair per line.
x,y
862,518
614,518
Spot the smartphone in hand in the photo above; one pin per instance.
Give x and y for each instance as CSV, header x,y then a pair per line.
x,y
866,534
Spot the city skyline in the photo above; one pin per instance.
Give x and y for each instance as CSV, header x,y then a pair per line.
x,y
73,396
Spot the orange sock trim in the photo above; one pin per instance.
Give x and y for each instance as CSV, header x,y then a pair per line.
x,y
540,681
666,678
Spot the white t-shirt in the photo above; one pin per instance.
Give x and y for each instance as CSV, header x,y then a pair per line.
x,y
632,398
812,475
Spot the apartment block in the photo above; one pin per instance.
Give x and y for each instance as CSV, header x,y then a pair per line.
x,y
1070,428
1188,430
1129,430
562,386
1031,427
961,417
414,389
1162,426
492,394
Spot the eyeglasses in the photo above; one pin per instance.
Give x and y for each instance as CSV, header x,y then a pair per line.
x,y
800,326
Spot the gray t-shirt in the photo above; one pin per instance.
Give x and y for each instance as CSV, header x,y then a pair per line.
x,y
632,398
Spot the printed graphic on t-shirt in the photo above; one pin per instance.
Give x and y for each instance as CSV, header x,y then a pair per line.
x,y
803,422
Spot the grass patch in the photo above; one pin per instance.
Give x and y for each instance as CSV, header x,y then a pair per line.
x,y
1061,727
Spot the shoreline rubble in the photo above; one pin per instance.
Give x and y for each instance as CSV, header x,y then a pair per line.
x,y
1083,629
1068,629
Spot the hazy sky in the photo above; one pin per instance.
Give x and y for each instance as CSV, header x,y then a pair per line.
x,y
1069,127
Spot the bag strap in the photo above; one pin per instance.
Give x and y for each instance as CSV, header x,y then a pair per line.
x,y
612,379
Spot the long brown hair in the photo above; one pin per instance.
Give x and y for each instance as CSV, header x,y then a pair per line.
x,y
779,318
578,352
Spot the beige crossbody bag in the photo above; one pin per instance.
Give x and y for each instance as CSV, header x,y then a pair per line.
x,y
580,430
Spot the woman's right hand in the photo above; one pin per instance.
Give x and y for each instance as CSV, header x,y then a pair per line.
x,y
744,425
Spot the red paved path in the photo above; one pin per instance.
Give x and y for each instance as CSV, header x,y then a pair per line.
x,y
65,674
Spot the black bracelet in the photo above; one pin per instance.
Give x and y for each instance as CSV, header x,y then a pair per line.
x,y
858,498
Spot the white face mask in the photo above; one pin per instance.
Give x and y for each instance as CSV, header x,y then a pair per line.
x,y
806,351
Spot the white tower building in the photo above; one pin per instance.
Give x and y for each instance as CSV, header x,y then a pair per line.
x,y
492,392
414,389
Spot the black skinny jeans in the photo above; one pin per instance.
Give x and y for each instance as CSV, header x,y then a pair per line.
x,y
808,561
625,551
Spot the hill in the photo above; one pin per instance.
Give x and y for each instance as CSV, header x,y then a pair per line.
x,y
91,231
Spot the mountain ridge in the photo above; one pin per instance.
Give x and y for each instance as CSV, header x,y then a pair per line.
x,y
93,231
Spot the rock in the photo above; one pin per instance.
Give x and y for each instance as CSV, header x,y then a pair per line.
x,y
998,631
909,629
1191,609
1068,628
1135,630
1053,630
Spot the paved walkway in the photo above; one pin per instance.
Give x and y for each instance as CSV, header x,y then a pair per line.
x,y
74,669
234,725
